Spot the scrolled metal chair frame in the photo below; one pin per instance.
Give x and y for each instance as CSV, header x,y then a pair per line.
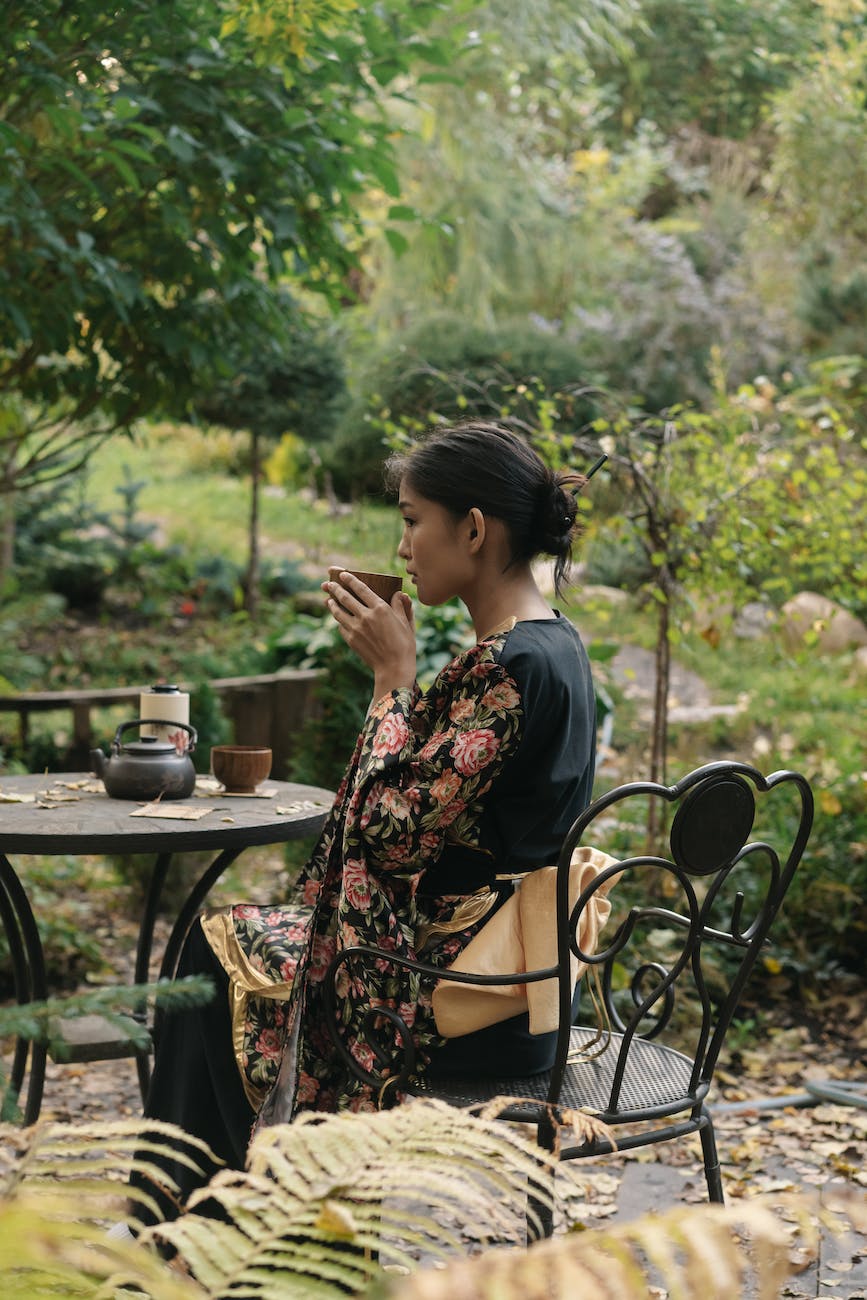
x,y
722,793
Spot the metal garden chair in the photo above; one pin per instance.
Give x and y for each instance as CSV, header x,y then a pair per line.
x,y
693,923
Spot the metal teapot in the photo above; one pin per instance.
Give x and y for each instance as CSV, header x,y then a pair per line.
x,y
147,768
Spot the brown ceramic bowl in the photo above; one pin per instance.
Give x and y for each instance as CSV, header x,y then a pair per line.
x,y
240,768
383,585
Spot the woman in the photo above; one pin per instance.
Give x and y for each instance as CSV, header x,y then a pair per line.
x,y
448,790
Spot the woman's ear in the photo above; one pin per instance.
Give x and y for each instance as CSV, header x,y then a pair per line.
x,y
477,529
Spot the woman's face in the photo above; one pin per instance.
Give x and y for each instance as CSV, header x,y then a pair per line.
x,y
433,546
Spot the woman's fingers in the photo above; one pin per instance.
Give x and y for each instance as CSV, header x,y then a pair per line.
x,y
382,634
358,612
341,604
351,592
401,603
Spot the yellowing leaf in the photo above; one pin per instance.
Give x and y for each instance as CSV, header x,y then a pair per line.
x,y
337,1219
829,803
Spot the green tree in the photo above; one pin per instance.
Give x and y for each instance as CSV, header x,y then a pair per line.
x,y
608,173
487,167
710,64
445,368
755,497
291,384
161,172
817,185
541,205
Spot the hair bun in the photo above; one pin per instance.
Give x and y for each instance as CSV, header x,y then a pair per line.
x,y
557,516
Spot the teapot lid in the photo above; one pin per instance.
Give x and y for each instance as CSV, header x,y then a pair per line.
x,y
148,745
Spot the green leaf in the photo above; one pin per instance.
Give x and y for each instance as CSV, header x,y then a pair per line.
x,y
398,242
194,167
133,150
123,168
402,212
181,144
386,70
384,171
124,107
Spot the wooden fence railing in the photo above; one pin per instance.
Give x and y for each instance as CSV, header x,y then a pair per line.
x,y
269,709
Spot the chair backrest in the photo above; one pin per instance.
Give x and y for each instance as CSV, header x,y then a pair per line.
x,y
715,889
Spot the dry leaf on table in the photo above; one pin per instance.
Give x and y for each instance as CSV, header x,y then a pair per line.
x,y
175,812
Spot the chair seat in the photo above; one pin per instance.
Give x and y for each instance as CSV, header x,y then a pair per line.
x,y
656,1079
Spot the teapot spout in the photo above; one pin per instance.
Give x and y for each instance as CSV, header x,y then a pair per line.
x,y
97,762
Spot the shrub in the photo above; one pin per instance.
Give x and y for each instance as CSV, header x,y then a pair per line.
x,y
279,578
63,903
291,463
89,557
449,369
214,450
23,616
297,385
215,584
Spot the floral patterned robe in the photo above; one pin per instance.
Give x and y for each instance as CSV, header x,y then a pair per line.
x,y
417,782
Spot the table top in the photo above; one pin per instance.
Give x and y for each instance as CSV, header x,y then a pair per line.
x,y
69,812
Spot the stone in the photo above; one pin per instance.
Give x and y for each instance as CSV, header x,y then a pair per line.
x,y
836,628
754,620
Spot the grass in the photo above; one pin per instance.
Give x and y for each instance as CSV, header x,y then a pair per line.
x,y
190,493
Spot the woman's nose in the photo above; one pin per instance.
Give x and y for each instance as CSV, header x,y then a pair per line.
x,y
403,548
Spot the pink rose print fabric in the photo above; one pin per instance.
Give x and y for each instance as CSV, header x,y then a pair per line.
x,y
417,781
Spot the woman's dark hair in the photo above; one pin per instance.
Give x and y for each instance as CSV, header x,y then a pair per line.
x,y
484,465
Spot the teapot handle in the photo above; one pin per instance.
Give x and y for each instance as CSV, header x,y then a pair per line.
x,y
157,722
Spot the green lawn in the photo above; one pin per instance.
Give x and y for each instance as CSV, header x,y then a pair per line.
x,y
199,505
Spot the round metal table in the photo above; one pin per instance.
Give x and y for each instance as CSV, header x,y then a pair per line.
x,y
70,814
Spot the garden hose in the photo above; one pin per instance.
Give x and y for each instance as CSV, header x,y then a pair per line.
x,y
843,1092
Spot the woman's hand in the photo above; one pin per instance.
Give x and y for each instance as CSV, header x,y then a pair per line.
x,y
381,634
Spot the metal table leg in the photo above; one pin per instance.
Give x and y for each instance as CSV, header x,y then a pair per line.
x,y
143,957
185,918
28,973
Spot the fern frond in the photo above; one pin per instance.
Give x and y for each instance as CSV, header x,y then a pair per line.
x,y
707,1251
91,1162
319,1197
45,1250
36,1019
118,1004
61,1186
